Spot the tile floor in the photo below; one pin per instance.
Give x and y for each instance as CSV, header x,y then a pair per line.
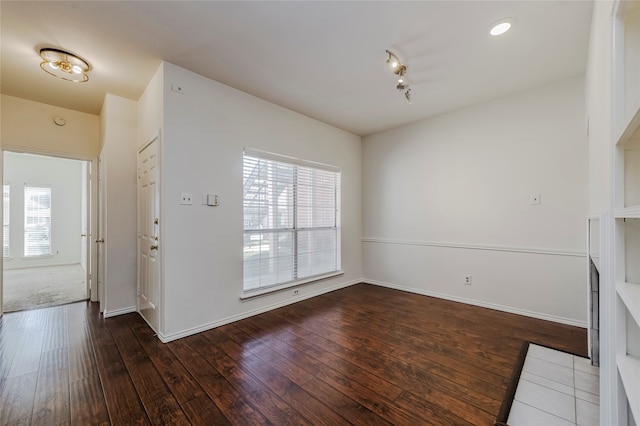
x,y
556,388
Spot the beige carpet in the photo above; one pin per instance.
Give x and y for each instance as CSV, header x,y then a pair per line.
x,y
42,287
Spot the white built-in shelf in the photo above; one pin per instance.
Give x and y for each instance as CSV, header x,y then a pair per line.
x,y
627,68
630,295
628,213
630,130
626,232
629,369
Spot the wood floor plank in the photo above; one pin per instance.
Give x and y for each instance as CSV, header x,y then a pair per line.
x,y
123,402
304,403
51,404
86,399
232,403
87,402
148,383
55,329
182,385
166,411
352,411
26,355
262,399
16,399
203,411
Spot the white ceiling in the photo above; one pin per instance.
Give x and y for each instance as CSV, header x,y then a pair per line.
x,y
324,59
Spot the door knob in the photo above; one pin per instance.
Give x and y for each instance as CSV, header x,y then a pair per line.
x,y
153,247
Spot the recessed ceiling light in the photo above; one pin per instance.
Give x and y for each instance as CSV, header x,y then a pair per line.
x,y
501,27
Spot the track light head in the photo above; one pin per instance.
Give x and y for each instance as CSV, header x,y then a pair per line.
x,y
407,95
393,61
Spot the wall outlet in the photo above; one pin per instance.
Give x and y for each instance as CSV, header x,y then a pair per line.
x,y
296,292
467,279
186,199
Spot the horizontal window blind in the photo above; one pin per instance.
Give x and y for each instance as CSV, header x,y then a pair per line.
x,y
291,220
37,221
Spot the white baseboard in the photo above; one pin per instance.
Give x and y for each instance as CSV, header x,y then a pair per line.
x,y
115,313
538,315
165,338
174,336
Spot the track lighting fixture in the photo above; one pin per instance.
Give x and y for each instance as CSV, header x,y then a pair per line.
x,y
400,71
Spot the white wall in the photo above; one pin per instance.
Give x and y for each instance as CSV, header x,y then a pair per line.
x,y
118,140
64,178
205,130
450,196
28,126
598,88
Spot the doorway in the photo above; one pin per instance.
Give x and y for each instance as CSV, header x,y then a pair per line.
x,y
46,231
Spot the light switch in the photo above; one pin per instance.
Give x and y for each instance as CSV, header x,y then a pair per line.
x,y
212,200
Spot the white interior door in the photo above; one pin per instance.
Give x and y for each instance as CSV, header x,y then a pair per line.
x,y
100,256
148,231
85,250
92,229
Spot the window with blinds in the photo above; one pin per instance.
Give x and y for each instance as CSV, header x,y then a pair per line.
x,y
291,220
5,219
37,221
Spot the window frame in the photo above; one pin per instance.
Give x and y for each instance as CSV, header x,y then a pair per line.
x,y
294,228
36,214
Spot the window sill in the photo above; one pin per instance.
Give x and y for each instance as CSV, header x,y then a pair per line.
x,y
277,288
44,256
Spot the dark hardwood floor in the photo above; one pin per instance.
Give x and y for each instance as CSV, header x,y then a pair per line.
x,y
362,355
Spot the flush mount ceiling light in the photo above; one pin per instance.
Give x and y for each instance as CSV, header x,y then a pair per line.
x,y
501,27
401,74
64,65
